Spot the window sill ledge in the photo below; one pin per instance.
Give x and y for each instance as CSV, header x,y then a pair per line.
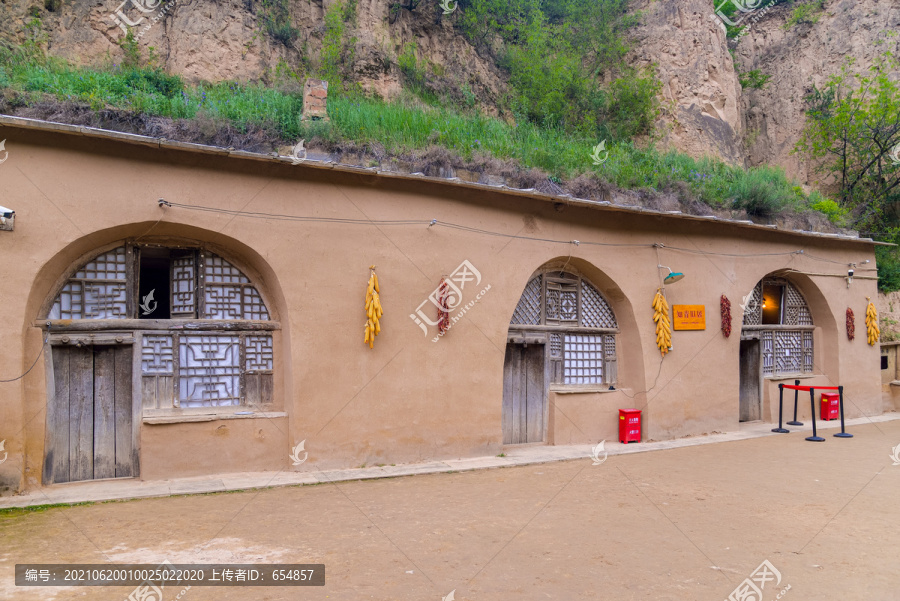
x,y
208,417
582,390
794,377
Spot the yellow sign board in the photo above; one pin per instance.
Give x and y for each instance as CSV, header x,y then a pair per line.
x,y
689,317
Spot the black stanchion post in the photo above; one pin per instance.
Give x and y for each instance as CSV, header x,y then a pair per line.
x,y
779,429
796,395
842,433
812,411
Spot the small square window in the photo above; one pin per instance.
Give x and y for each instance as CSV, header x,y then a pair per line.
x,y
884,362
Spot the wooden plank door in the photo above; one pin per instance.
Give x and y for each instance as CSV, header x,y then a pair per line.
x,y
749,392
90,428
524,394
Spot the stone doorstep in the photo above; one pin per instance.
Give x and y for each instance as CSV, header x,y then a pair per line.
x,y
108,490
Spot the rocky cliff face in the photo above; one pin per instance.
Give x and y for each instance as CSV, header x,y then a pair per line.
x,y
701,93
214,40
705,110
800,57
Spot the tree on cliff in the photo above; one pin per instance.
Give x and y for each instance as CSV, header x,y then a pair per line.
x,y
853,134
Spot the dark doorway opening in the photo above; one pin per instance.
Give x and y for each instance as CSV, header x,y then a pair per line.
x,y
154,281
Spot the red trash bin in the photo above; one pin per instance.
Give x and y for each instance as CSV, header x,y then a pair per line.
x,y
831,406
629,425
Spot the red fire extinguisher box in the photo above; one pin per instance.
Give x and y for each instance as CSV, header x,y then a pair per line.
x,y
629,425
831,406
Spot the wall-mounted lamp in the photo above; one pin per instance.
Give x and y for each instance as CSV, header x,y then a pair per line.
x,y
673,276
850,271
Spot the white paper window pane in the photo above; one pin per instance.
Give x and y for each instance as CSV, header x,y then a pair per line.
x,y
223,302
218,270
157,355
108,266
258,353
209,371
104,301
96,291
183,298
583,362
229,294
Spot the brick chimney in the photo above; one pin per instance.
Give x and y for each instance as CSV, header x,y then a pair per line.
x,y
315,92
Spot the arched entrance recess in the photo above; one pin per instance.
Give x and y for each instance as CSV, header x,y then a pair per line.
x,y
148,329
776,340
562,332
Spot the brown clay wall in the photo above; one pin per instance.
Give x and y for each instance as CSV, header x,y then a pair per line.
x,y
409,399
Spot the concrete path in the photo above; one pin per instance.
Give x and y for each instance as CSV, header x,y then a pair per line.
x,y
688,522
108,490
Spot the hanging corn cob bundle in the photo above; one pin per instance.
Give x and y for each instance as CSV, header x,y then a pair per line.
x,y
663,326
373,309
872,331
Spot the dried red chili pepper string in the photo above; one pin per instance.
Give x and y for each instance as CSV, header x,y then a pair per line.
x,y
725,308
443,312
851,324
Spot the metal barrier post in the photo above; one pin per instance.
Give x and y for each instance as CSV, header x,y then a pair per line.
x,y
842,433
779,429
812,411
796,393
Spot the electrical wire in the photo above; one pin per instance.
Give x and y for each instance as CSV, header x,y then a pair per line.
x,y
278,217
46,338
475,230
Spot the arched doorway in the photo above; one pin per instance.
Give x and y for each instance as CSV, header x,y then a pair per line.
x,y
776,340
147,330
563,332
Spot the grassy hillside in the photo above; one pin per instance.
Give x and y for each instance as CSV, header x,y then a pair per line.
x,y
401,127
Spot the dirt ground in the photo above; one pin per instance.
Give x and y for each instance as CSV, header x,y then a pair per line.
x,y
689,523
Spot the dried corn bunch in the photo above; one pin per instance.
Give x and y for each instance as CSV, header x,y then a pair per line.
x,y
725,308
373,310
851,324
663,326
872,331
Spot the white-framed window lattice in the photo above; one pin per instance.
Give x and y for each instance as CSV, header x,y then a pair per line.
x,y
580,327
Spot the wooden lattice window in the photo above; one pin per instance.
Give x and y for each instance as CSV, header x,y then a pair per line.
x,y
206,369
155,289
778,311
96,291
792,307
579,326
197,284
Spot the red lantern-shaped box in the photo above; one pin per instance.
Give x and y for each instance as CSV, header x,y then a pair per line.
x,y
831,406
629,425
